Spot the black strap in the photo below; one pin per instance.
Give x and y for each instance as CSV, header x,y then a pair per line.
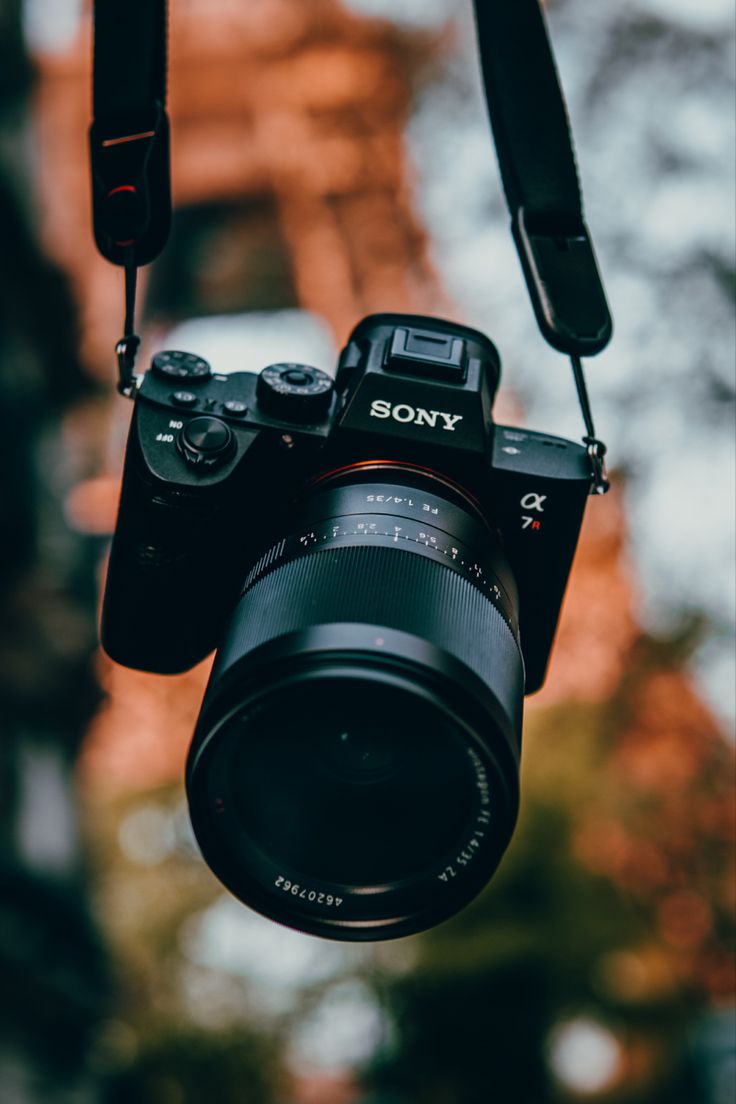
x,y
129,142
535,153
129,77
129,137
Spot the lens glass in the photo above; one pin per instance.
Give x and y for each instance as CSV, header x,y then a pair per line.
x,y
351,781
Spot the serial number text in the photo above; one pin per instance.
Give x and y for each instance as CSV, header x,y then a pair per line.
x,y
305,894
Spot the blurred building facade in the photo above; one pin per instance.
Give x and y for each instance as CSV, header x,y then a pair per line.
x,y
292,188
287,118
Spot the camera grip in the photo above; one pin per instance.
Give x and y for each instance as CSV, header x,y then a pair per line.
x,y
164,606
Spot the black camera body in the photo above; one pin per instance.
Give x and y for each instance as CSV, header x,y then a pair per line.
x,y
216,465
381,570
379,566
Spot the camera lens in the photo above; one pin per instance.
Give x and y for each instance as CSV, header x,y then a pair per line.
x,y
354,772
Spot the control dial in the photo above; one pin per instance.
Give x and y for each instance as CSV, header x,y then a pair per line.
x,y
176,365
206,442
294,392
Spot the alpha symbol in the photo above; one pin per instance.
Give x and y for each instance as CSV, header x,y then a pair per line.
x,y
533,501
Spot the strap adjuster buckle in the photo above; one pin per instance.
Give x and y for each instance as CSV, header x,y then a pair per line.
x,y
564,283
596,454
126,350
131,194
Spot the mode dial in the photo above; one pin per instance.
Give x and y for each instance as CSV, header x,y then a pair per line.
x,y
206,442
294,392
177,365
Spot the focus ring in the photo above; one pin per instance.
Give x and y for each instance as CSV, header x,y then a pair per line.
x,y
387,587
422,540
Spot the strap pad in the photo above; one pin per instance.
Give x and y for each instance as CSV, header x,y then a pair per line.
x,y
129,136
537,162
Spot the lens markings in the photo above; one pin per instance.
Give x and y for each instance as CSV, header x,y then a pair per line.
x,y
483,819
310,539
311,895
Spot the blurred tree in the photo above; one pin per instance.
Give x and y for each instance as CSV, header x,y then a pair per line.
x,y
180,1031
604,937
611,911
54,979
187,1067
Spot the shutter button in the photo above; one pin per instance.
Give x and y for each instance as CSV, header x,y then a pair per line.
x,y
206,442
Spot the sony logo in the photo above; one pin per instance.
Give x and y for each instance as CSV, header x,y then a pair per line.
x,y
402,412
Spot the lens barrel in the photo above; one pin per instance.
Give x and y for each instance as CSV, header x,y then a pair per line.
x,y
354,772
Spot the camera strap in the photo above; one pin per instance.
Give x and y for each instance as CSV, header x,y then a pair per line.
x,y
536,157
129,148
131,191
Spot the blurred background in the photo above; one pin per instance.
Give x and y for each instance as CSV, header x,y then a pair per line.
x,y
331,159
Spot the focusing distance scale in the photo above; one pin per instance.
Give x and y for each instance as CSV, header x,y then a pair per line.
x,y
355,770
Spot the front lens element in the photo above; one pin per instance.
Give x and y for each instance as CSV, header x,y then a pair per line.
x,y
347,780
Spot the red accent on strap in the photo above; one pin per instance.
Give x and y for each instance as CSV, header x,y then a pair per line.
x,y
122,188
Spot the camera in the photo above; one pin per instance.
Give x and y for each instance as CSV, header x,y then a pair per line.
x,y
381,570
